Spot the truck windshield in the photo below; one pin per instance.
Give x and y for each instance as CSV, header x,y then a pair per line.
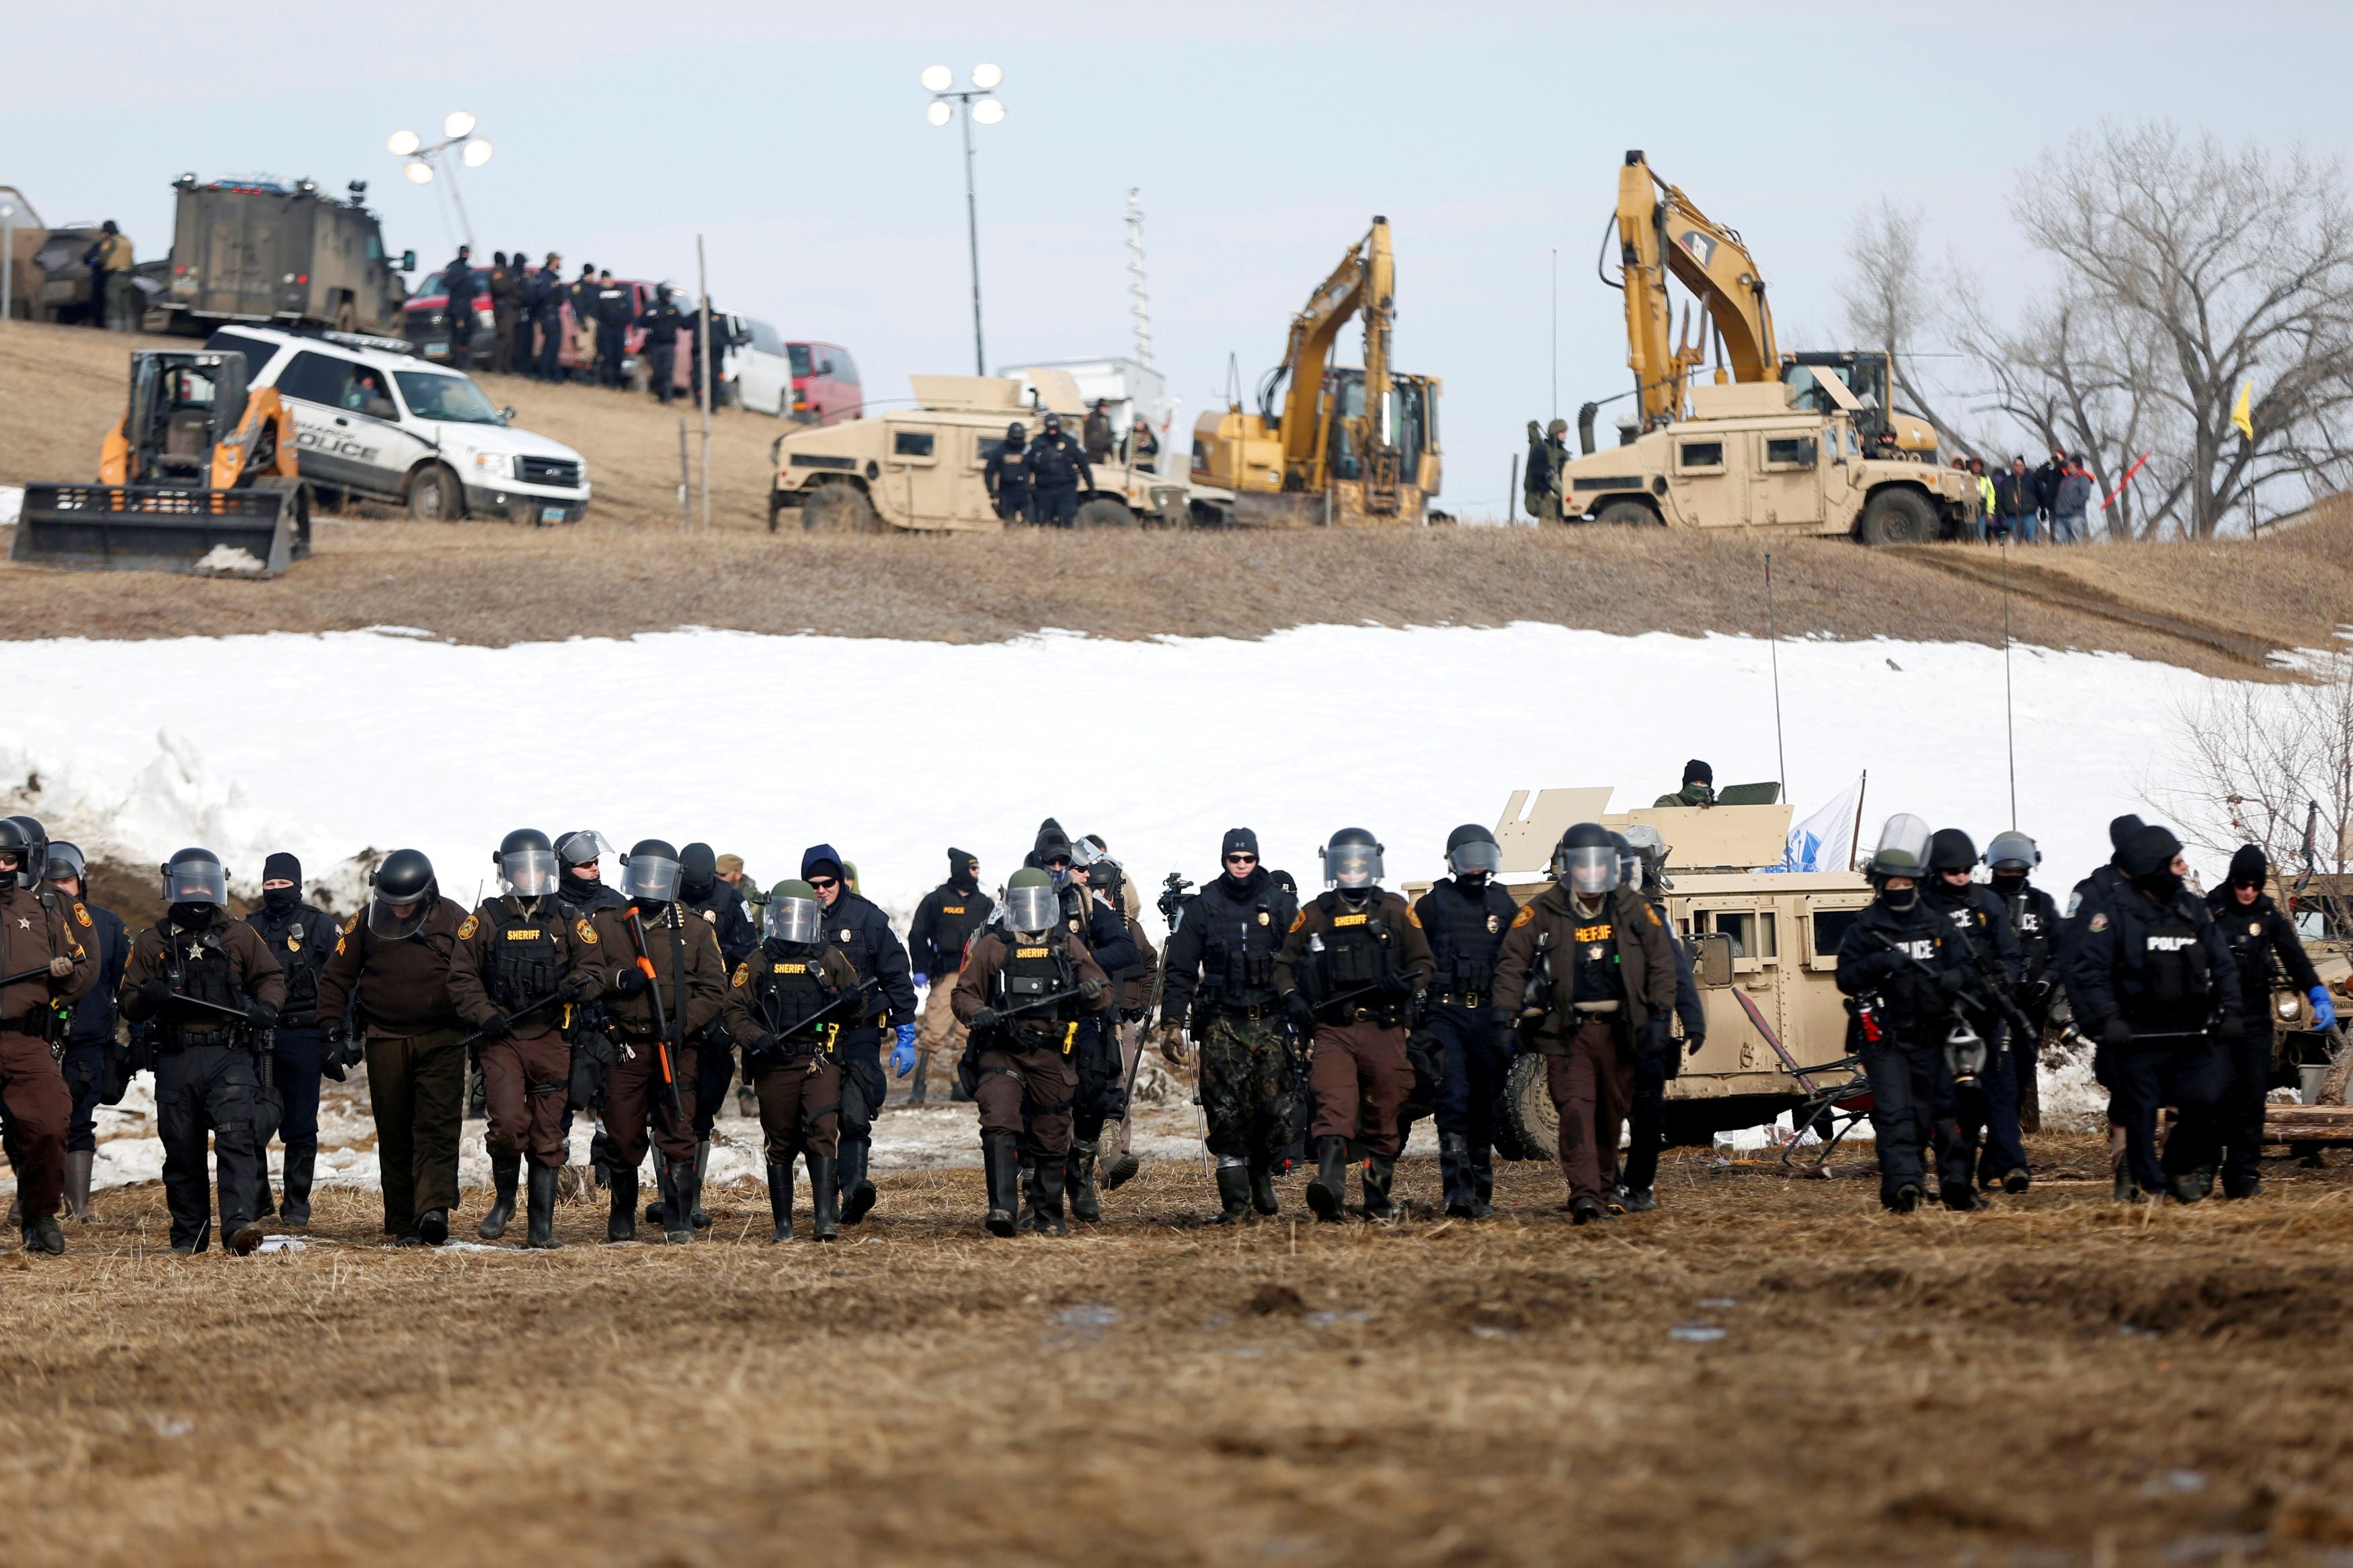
x,y
450,397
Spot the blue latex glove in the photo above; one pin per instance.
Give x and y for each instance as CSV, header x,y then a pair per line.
x,y
2324,1012
902,1055
922,980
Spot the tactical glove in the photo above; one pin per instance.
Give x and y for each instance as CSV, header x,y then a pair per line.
x,y
1171,1038
577,988
1090,987
1693,1043
61,967
982,1018
497,1026
2324,1011
902,1055
766,1043
2116,1034
261,1015
154,995
1651,1040
1952,982
2232,1031
629,982
1298,1010
331,1060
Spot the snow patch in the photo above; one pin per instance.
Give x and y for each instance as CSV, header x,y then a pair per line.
x,y
229,560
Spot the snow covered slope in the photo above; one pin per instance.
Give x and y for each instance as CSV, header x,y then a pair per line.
x,y
333,745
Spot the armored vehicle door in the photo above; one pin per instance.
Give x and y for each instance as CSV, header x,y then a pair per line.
x,y
1786,487
920,471
1707,475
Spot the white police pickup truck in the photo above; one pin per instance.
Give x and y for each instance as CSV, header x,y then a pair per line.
x,y
379,424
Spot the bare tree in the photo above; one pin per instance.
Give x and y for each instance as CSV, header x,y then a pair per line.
x,y
1892,296
2202,269
2260,762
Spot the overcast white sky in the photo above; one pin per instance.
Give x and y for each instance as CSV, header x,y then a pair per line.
x,y
1263,136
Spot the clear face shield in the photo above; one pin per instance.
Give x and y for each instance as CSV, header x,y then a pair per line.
x,y
64,861
1031,908
795,921
1903,843
528,873
196,883
1475,858
1352,868
384,919
1588,872
649,879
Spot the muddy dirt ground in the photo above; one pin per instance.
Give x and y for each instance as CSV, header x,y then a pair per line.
x,y
1764,1372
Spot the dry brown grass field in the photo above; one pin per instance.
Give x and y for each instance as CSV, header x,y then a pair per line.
x,y
1765,1371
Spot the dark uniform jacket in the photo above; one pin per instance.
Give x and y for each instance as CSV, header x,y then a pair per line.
x,y
587,898
1222,952
780,984
1008,475
2162,968
1912,960
687,970
863,934
1056,461
1059,952
1626,933
224,963
2035,918
612,306
402,985
1377,950
2266,946
37,925
2092,896
299,939
1987,940
720,905
1465,924
93,1015
1135,981
512,952
943,923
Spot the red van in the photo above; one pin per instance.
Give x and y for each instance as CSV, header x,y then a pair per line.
x,y
825,384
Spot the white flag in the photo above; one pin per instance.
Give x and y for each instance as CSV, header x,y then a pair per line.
x,y
1824,841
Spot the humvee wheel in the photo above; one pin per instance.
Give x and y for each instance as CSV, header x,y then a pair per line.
x,y
1898,517
839,509
1104,512
1623,513
1528,1108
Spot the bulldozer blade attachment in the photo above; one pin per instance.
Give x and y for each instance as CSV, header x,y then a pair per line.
x,y
255,532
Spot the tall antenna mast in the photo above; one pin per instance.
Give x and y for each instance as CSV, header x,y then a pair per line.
x,y
1142,301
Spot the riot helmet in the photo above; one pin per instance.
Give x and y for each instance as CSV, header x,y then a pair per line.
x,y
1031,903
1585,862
403,880
526,863
1950,849
1629,860
1015,435
1352,861
36,846
1903,849
1471,851
794,913
1651,846
65,861
195,884
17,846
580,849
649,872
2012,854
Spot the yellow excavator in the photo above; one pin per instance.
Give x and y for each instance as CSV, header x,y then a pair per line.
x,y
1662,233
1350,447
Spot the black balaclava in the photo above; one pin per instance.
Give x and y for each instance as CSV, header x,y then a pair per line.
x,y
2149,861
279,900
960,865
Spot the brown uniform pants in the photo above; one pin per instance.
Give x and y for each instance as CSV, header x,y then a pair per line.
x,y
1592,1087
634,1093
417,1086
800,1110
524,1083
33,1087
939,1038
1361,1077
1044,1079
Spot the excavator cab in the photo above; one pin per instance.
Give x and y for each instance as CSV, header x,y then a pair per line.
x,y
182,404
1885,429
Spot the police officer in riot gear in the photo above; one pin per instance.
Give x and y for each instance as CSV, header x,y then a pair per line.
x,y
1355,966
788,1002
1642,864
1985,1099
1903,971
661,318
2094,898
51,964
299,936
2153,977
521,959
717,903
93,1063
2270,958
1058,470
1008,475
1021,994
579,855
1464,916
1096,1058
213,991
2011,857
863,935
1218,983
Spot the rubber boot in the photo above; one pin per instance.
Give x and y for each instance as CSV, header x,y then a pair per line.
x,y
1000,1163
859,1198
1122,1170
1262,1185
658,1211
678,1214
1327,1190
780,1199
1454,1176
825,1197
1233,1190
918,1091
45,1234
1047,1200
433,1227
623,1224
1029,1191
302,1165
1482,1182
1079,1179
1380,1170
702,1169
505,1170
539,1213
78,1164
2128,1189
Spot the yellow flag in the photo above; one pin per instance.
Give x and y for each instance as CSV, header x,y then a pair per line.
x,y
2241,414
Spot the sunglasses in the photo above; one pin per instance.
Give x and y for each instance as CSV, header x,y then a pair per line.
x,y
822,883
1241,859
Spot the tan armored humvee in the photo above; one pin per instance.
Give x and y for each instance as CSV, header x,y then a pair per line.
x,y
1766,941
1751,457
924,468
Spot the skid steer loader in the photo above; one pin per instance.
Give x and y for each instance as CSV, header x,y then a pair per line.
x,y
199,477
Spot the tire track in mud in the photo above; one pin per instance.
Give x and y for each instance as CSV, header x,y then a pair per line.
x,y
2057,590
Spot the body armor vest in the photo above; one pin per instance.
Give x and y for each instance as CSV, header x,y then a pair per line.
x,y
1239,942
788,988
1466,931
1355,953
2165,975
2034,933
526,958
1032,973
200,967
293,941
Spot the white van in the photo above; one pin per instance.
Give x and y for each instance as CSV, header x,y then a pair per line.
x,y
378,423
760,369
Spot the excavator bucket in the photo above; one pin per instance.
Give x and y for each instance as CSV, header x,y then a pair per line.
x,y
253,532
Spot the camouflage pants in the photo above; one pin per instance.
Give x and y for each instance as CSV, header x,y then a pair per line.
x,y
1246,1086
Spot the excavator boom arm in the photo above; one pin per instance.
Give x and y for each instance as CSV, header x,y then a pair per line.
x,y
1662,235
1304,357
